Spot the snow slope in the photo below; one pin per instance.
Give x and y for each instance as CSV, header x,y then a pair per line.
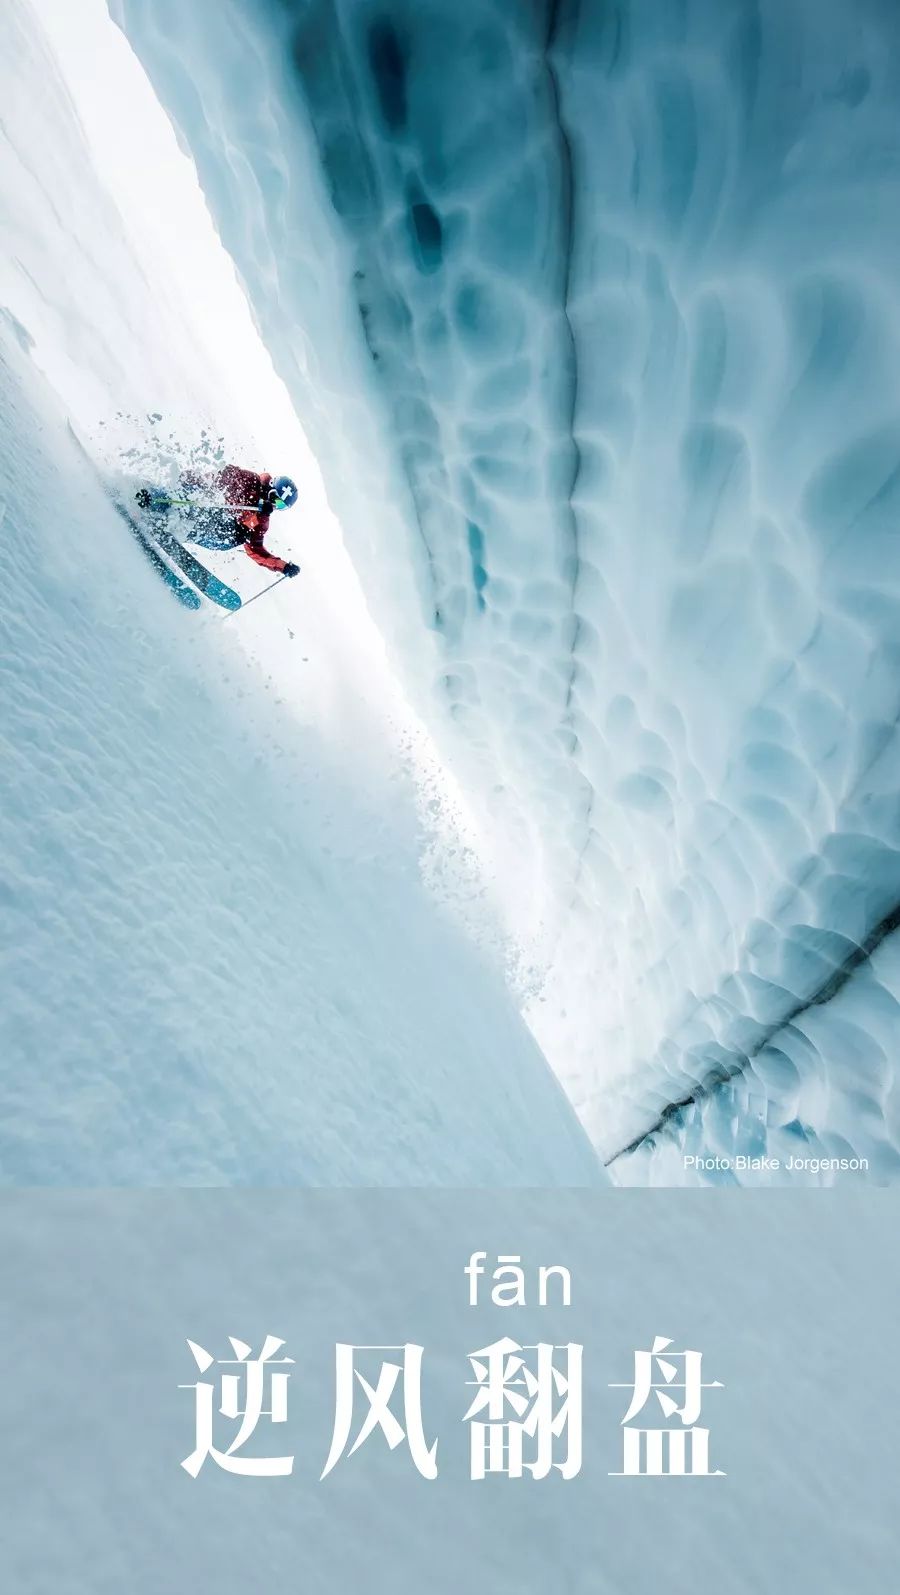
x,y
590,314
219,961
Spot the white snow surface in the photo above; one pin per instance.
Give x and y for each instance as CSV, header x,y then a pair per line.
x,y
590,315
220,963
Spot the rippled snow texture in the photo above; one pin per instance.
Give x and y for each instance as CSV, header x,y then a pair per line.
x,y
590,312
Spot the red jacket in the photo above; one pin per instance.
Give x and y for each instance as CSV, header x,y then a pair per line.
x,y
248,487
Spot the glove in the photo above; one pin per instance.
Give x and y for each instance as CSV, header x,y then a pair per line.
x,y
291,570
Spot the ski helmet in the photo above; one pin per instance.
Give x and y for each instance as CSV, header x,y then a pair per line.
x,y
283,493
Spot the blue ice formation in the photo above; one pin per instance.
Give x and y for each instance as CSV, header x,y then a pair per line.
x,y
590,313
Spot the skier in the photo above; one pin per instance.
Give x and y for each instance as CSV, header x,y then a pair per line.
x,y
253,495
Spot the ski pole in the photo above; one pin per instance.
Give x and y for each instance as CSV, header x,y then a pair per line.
x,y
258,595
165,502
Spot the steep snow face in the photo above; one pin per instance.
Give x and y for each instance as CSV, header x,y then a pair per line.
x,y
220,966
219,963
590,313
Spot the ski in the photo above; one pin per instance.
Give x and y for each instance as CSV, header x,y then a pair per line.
x,y
172,580
209,585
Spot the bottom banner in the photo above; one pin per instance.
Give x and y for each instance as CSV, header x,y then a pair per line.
x,y
410,1391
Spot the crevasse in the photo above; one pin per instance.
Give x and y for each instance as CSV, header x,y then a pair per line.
x,y
590,314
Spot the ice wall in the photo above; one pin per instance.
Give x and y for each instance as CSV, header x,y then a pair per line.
x,y
590,312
